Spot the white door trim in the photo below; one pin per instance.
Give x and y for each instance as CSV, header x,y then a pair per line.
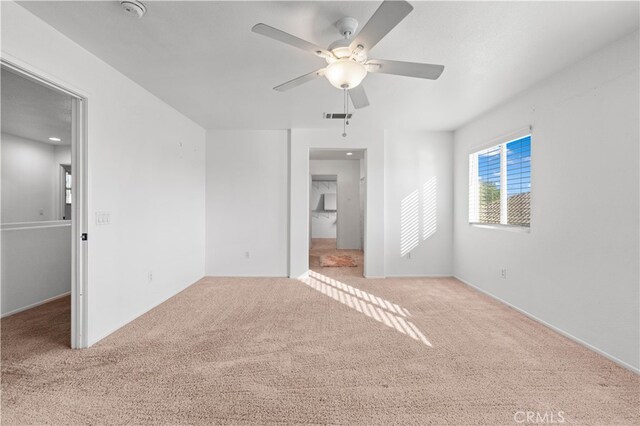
x,y
79,222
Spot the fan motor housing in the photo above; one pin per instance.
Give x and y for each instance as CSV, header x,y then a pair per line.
x,y
347,26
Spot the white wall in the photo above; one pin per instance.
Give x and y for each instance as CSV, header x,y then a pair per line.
x,y
418,203
145,166
301,140
247,171
348,190
62,154
324,224
36,255
247,199
36,264
578,268
363,196
29,180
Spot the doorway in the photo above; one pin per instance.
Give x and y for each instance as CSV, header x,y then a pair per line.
x,y
337,189
43,207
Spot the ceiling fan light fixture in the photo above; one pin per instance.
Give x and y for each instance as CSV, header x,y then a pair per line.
x,y
341,48
345,73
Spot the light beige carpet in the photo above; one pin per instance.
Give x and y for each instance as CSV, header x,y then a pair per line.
x,y
331,350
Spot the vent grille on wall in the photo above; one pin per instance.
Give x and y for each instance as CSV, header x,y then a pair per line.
x,y
335,115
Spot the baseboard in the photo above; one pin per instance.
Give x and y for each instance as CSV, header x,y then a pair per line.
x,y
33,305
421,276
245,276
553,327
93,341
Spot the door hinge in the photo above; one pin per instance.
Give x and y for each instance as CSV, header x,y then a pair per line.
x,y
84,237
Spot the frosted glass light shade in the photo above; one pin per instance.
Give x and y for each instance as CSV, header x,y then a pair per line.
x,y
345,73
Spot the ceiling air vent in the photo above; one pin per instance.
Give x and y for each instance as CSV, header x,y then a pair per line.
x,y
335,115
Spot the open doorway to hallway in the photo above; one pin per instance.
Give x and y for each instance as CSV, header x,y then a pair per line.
x,y
337,191
42,212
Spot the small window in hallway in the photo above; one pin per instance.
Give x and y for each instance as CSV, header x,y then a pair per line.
x,y
67,187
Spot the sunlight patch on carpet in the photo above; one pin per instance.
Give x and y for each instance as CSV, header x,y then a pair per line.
x,y
381,310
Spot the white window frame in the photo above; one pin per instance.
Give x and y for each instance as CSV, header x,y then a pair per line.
x,y
474,212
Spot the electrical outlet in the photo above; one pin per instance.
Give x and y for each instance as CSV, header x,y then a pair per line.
x,y
150,276
247,255
503,273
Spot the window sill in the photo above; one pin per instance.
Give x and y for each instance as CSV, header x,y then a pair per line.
x,y
510,228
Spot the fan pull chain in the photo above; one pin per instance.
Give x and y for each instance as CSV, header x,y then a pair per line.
x,y
346,116
344,122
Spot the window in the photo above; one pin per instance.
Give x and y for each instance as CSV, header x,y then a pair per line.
x,y
67,187
500,184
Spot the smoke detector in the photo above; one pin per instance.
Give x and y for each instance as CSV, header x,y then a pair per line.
x,y
134,8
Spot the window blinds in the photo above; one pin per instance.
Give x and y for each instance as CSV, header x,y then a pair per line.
x,y
500,184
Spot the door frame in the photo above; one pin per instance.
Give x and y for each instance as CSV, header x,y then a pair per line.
x,y
361,182
79,204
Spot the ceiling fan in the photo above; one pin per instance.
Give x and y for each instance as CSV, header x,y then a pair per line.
x,y
347,59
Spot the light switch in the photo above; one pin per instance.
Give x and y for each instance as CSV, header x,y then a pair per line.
x,y
103,218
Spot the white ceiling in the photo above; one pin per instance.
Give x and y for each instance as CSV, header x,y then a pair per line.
x,y
33,111
203,59
336,154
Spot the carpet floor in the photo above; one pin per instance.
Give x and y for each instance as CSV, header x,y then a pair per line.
x,y
332,349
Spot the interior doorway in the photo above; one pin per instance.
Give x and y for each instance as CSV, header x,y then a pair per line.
x,y
337,189
43,207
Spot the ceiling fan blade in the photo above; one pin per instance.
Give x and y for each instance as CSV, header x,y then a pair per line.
x,y
408,69
289,39
300,80
388,15
359,97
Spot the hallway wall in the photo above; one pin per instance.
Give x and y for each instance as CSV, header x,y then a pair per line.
x,y
324,224
29,182
349,227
